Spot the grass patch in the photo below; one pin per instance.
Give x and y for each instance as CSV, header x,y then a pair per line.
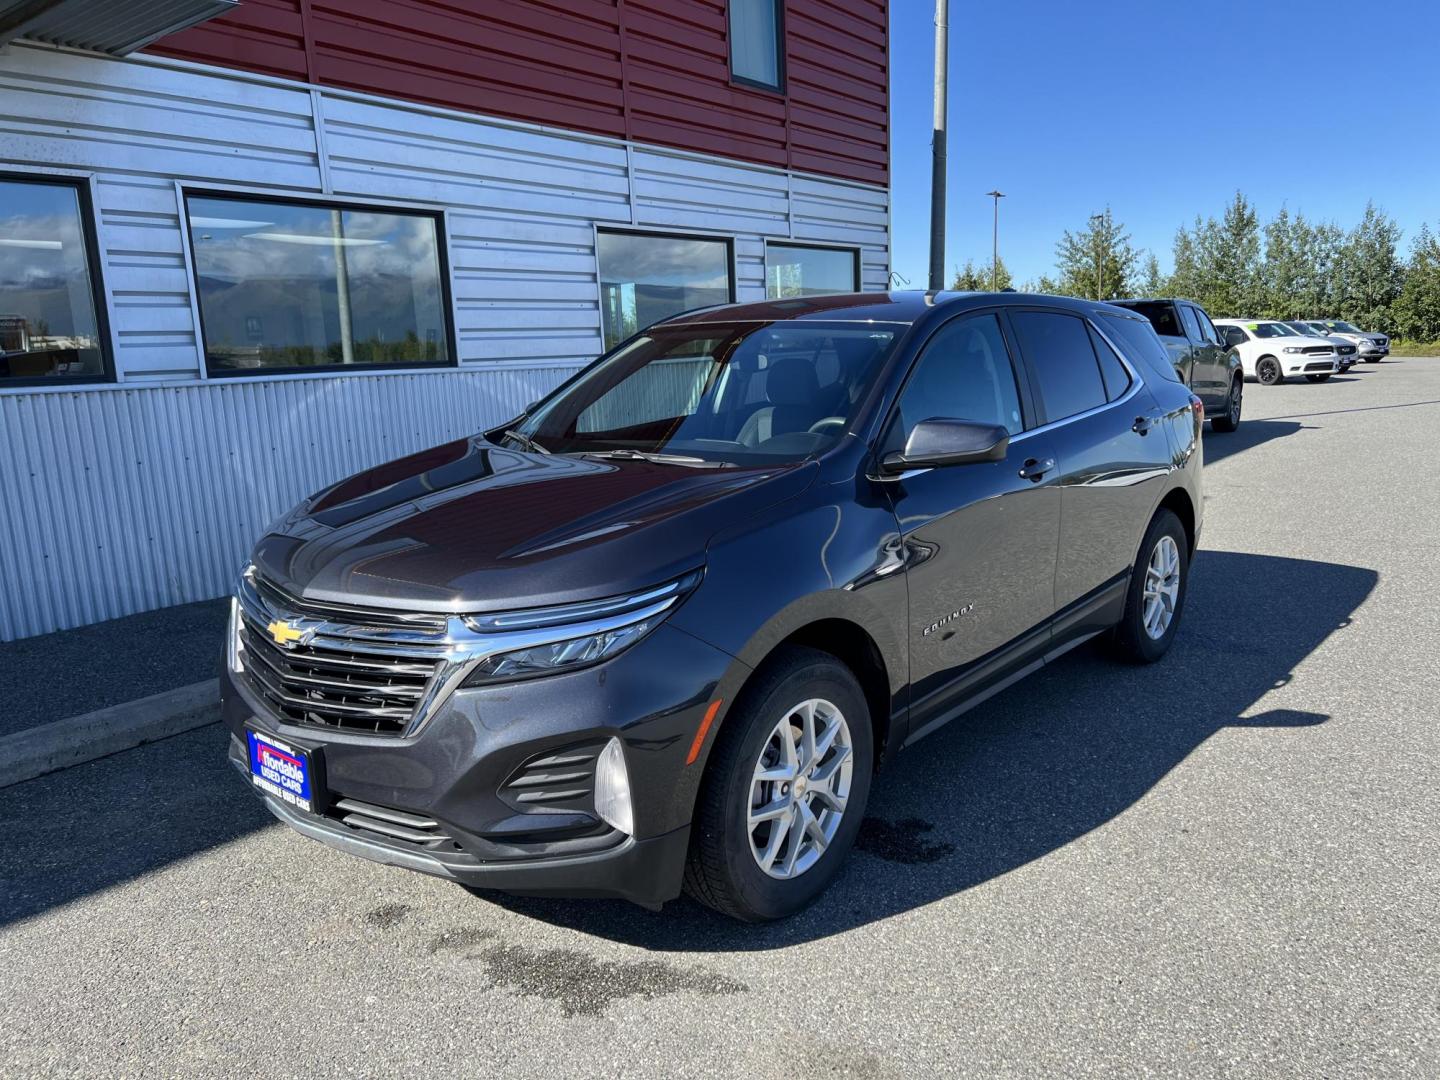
x,y
1414,348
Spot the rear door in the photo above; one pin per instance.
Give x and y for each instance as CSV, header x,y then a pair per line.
x,y
1210,377
982,537
1114,455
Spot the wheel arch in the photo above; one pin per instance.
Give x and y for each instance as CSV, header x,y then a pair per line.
x,y
1177,501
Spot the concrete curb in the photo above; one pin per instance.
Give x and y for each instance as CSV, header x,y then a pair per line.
x,y
28,754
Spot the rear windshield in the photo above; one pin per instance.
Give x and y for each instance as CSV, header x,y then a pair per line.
x,y
1161,314
1138,342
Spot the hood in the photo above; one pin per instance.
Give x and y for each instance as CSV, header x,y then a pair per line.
x,y
470,526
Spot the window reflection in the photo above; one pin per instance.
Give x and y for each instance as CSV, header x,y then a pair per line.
x,y
646,278
791,270
286,285
48,322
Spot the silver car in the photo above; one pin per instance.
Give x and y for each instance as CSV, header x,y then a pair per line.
x,y
1371,346
1346,351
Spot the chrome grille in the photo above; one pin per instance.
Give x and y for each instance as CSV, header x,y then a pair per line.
x,y
339,675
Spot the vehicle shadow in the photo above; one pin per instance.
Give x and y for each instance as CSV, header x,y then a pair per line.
x,y
1250,434
1042,764
106,822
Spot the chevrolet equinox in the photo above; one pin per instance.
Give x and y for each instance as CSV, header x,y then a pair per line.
x,y
660,631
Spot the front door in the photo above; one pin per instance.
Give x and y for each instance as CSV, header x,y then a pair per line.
x,y
1211,378
980,538
1113,452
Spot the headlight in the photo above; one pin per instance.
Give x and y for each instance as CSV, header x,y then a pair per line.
x,y
1293,349
545,641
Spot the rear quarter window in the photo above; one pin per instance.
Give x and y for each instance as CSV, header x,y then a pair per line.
x,y
1136,339
1161,315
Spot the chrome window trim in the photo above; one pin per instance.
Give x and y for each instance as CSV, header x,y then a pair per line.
x,y
460,646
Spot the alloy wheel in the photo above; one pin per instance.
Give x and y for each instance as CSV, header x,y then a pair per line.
x,y
799,789
1268,372
1162,587
1234,404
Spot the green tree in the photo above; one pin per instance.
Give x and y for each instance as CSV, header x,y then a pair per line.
x,y
973,278
1286,267
1417,309
1102,248
1152,282
1374,275
1227,261
1185,277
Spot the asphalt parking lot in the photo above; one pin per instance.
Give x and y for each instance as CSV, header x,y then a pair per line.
x,y
1222,865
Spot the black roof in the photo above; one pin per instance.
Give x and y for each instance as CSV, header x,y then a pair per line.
x,y
903,307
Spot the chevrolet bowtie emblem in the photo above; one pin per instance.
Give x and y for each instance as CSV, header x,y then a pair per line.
x,y
284,634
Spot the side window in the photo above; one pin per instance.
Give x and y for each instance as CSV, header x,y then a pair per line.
x,y
1058,348
1235,336
1192,328
1207,328
1117,379
964,373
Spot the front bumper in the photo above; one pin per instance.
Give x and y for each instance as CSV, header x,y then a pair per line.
x,y
457,773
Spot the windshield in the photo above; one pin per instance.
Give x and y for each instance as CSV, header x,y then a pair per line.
x,y
1270,329
738,393
1303,329
1344,327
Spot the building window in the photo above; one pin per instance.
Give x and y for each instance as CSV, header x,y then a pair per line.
x,y
51,322
757,36
646,277
288,286
794,270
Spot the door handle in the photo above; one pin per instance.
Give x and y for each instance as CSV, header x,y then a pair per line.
x,y
1034,469
1142,425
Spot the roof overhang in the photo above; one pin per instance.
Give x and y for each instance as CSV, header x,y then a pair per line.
x,y
118,27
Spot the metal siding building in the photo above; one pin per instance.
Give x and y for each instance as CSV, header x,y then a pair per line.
x,y
524,126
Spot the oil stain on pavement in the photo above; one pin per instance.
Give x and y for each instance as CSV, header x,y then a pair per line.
x,y
584,986
901,842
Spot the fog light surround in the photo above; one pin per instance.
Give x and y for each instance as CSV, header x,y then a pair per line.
x,y
612,789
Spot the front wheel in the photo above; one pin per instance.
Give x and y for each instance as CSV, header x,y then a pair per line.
x,y
784,790
1230,420
1268,372
1157,592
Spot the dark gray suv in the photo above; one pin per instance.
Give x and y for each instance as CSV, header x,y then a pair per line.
x,y
662,630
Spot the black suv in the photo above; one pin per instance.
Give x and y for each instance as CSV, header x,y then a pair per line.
x,y
1202,359
663,628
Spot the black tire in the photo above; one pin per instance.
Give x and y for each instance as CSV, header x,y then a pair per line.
x,y
1229,420
1267,371
1132,641
721,871
1317,378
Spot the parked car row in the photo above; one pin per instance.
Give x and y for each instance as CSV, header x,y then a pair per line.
x,y
1215,357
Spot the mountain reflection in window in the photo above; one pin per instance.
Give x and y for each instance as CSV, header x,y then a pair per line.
x,y
288,286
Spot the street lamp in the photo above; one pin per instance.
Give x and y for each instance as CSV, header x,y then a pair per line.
x,y
997,195
1099,250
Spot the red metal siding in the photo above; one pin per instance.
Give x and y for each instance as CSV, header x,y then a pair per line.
x,y
651,70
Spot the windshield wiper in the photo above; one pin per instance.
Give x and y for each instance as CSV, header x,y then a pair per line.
x,y
525,441
658,459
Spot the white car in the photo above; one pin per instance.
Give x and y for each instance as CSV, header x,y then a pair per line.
x,y
1372,346
1270,350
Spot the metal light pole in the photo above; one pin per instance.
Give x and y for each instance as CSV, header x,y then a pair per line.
x,y
1099,250
937,146
997,195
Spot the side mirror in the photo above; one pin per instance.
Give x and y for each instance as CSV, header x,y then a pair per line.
x,y
942,441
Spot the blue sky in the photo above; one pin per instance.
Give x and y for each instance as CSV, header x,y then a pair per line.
x,y
1162,109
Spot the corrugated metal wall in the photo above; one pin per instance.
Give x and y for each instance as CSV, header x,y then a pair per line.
x,y
117,501
120,499
653,71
